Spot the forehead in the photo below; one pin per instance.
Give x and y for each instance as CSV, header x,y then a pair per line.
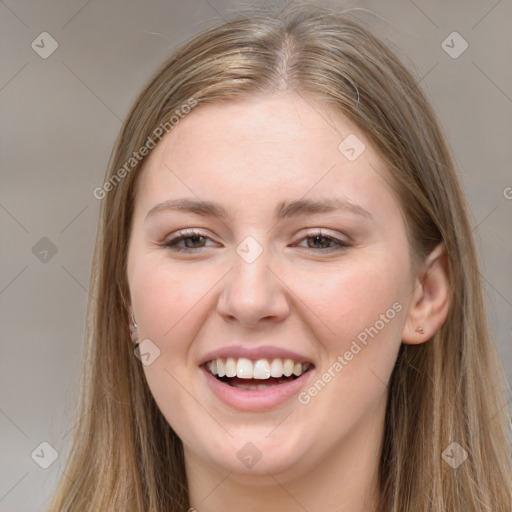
x,y
264,150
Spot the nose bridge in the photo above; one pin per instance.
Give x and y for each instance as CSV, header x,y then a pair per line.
x,y
252,291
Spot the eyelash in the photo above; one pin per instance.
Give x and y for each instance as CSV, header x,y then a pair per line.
x,y
184,235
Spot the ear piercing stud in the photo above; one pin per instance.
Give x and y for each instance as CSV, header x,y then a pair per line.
x,y
133,329
420,330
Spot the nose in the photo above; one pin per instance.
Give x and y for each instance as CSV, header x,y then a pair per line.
x,y
253,293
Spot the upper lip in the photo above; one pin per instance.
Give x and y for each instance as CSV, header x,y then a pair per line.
x,y
263,352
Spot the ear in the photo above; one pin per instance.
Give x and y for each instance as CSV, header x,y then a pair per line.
x,y
430,302
131,316
133,325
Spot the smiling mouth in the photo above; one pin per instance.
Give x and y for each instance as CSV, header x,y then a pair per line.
x,y
243,373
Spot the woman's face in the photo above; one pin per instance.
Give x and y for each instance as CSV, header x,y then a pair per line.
x,y
297,251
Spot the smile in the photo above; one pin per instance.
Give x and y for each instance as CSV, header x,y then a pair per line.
x,y
244,373
256,385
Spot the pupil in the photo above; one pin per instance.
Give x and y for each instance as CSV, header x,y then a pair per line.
x,y
317,239
194,239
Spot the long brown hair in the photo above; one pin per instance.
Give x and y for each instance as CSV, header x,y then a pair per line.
x,y
124,455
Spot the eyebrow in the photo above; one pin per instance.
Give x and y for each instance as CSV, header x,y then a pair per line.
x,y
283,210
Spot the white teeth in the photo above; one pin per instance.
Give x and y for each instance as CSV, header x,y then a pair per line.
x,y
244,368
221,368
276,368
288,367
261,369
212,366
231,367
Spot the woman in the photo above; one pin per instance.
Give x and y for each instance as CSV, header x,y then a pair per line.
x,y
287,309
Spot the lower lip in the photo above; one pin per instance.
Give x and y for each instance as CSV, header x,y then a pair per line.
x,y
258,399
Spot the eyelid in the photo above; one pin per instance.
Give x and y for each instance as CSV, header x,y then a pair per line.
x,y
173,240
187,232
314,232
320,232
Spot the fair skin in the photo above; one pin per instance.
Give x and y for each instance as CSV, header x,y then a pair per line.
x,y
250,156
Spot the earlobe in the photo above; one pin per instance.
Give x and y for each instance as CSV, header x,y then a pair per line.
x,y
133,325
430,299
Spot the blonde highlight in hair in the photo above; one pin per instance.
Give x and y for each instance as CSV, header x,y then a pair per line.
x,y
124,455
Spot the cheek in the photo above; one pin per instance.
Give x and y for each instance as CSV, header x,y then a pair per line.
x,y
164,297
362,305
167,303
362,313
352,297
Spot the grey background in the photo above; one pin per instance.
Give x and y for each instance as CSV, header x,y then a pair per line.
x,y
59,118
